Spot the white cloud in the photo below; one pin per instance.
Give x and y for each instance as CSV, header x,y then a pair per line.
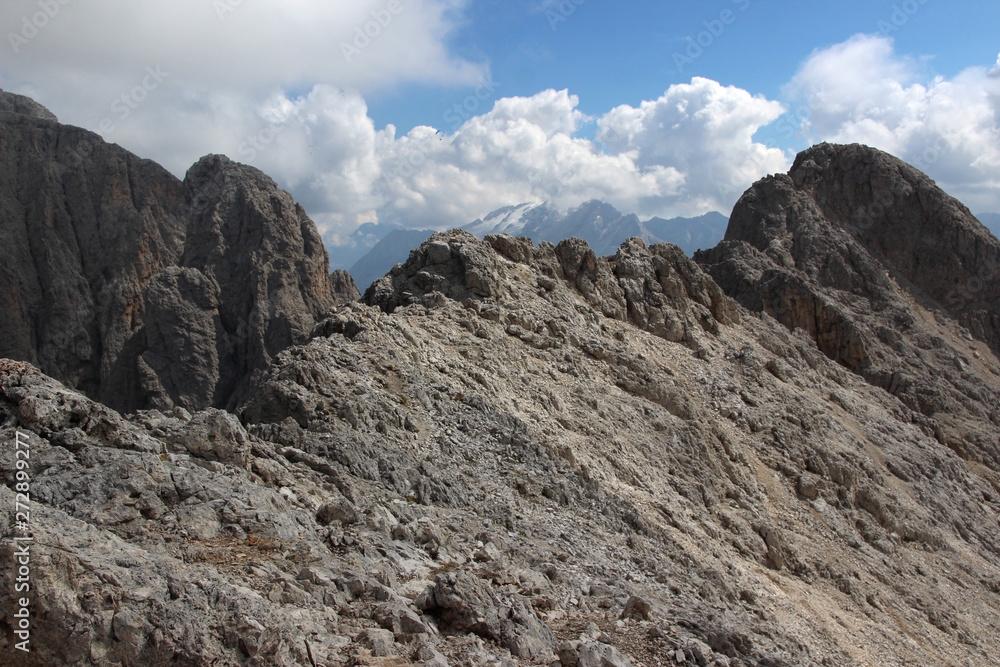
x,y
275,86
525,149
705,131
272,86
224,61
863,91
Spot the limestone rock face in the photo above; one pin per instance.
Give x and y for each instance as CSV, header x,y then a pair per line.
x,y
85,227
657,288
343,286
138,289
267,260
465,603
888,274
25,106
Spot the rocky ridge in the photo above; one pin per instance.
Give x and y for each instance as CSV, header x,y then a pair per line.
x,y
512,454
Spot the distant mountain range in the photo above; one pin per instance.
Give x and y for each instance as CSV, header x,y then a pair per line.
x,y
598,223
392,249
345,254
602,226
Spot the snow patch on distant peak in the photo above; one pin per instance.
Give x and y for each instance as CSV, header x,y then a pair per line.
x,y
506,220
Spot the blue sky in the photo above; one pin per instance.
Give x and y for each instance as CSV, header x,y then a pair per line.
x,y
448,109
611,53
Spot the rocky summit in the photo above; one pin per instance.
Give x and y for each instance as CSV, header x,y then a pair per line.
x,y
141,290
784,451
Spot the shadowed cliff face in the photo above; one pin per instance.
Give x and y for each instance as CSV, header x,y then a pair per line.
x,y
85,227
888,274
136,288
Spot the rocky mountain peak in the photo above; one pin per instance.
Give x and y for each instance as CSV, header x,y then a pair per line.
x,y
922,237
655,288
884,270
24,106
140,289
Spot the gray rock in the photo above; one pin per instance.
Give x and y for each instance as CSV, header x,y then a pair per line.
x,y
844,248
638,608
138,289
465,603
25,106
809,486
429,656
343,287
214,435
340,510
593,654
380,642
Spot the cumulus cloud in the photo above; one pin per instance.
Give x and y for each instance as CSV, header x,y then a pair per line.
x,y
863,91
222,61
523,149
689,152
285,88
705,131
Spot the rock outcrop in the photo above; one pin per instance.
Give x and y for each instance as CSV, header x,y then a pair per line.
x,y
657,289
345,290
141,290
888,274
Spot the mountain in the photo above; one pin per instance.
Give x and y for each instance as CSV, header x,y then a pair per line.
x,y
598,223
601,225
390,250
782,451
837,257
513,219
345,254
691,234
991,221
137,288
